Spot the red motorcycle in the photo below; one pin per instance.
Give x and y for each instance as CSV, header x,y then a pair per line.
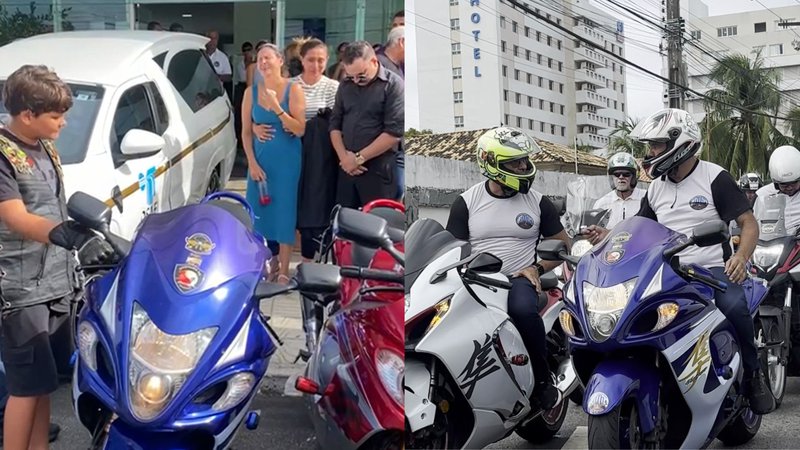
x,y
354,377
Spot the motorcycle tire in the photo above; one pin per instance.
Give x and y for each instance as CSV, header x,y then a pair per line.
x,y
741,430
776,378
605,432
546,425
577,395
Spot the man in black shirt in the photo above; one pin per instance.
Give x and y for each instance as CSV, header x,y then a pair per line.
x,y
366,126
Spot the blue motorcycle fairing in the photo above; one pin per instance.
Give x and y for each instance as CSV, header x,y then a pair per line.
x,y
619,380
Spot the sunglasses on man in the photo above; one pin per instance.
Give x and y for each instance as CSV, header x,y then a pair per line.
x,y
622,175
358,79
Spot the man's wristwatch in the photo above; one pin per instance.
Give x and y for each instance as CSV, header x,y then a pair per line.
x,y
360,160
539,268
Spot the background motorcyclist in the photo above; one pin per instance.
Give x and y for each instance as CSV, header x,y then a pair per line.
x,y
749,183
505,217
687,192
624,199
784,169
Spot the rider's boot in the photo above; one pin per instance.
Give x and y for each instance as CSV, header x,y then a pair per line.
x,y
758,393
545,396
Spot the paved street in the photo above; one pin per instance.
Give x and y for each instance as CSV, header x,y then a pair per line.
x,y
776,429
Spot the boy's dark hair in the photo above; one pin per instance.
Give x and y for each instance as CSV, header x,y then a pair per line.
x,y
310,45
176,27
153,25
36,89
401,13
357,50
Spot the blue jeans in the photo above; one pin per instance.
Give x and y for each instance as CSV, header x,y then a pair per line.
x,y
733,304
401,175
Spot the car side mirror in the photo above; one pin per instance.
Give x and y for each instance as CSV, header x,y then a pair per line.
x,y
485,263
552,250
318,278
711,233
140,143
89,211
361,228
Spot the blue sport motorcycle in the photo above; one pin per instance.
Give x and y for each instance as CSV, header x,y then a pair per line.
x,y
172,344
660,363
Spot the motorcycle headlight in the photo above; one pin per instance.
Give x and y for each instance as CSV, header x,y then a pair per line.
x,y
160,362
604,306
580,248
87,345
390,371
239,386
766,257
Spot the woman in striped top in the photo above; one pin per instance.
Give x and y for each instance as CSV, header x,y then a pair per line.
x,y
320,165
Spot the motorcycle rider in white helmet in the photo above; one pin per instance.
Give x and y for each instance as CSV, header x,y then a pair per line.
x,y
784,169
687,192
624,199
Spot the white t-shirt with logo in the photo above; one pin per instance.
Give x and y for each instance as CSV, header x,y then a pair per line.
x,y
707,193
791,211
507,227
619,208
220,62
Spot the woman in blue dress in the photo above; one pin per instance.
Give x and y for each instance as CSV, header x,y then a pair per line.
x,y
275,101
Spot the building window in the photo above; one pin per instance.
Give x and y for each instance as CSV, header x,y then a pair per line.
x,y
503,46
505,71
528,55
538,36
540,81
514,26
516,74
454,24
541,104
558,21
530,79
560,66
758,49
559,44
549,63
502,22
552,107
622,88
516,50
562,111
550,85
506,119
549,41
696,34
519,122
760,27
561,88
456,47
456,73
459,121
530,102
518,98
727,31
553,130
775,49
530,124
458,97
538,58
505,95
623,107
563,129
527,31
453,2
541,127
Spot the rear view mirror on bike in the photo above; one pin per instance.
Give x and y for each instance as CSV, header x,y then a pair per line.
x,y
89,211
485,263
318,278
710,233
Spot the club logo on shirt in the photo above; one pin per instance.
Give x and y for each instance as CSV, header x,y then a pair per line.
x,y
698,202
525,221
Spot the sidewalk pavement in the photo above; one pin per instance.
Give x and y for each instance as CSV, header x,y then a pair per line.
x,y
285,318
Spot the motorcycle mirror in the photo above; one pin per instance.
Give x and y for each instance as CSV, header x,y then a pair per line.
x,y
485,263
711,233
551,250
318,278
362,228
89,211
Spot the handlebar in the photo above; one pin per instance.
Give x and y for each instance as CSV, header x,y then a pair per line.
x,y
691,273
500,284
370,274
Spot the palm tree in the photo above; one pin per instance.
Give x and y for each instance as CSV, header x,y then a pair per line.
x,y
622,142
737,137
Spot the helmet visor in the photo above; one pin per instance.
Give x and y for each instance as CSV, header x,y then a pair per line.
x,y
519,166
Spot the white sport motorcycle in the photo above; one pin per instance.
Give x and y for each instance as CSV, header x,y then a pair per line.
x,y
468,376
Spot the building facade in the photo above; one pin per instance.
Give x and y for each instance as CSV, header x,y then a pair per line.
x,y
484,63
236,21
744,33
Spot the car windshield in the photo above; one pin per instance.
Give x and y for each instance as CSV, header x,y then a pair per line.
x,y
73,142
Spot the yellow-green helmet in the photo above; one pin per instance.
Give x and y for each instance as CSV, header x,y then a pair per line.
x,y
498,148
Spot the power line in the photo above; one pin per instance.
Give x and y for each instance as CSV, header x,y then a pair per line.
x,y
517,4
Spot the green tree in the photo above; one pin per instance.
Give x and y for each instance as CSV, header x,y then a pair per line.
x,y
18,25
737,135
411,132
620,140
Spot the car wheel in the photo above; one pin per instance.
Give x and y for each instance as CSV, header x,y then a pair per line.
x,y
214,181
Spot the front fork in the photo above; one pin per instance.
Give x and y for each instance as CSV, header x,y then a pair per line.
x,y
311,325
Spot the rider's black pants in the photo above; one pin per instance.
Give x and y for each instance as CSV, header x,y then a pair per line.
x,y
733,304
523,310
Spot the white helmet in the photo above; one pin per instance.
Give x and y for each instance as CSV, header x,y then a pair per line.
x,y
678,130
784,164
623,161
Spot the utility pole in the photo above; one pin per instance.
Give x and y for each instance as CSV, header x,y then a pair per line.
x,y
674,31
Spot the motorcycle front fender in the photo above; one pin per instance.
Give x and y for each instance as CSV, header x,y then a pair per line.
x,y
614,381
419,409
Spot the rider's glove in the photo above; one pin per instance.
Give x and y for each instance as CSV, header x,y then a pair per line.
x,y
92,249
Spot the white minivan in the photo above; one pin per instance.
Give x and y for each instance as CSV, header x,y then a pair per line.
x,y
151,127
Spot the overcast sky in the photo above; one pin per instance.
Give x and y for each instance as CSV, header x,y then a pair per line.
x,y
644,51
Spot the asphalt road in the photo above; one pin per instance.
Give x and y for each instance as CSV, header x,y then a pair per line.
x,y
284,422
777,429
